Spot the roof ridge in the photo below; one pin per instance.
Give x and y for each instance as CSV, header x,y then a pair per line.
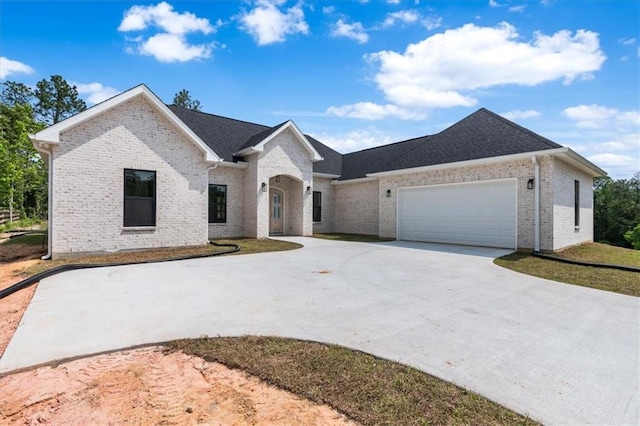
x,y
520,128
221,116
388,144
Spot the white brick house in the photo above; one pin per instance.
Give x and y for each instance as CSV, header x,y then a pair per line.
x,y
132,173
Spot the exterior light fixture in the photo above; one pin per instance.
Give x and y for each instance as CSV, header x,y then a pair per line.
x,y
278,178
388,193
308,190
263,187
530,184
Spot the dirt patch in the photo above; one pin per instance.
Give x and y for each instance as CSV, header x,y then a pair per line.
x,y
14,252
12,307
148,386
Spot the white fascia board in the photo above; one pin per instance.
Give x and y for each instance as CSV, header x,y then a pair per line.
x,y
51,134
359,180
479,161
259,147
230,165
578,161
325,175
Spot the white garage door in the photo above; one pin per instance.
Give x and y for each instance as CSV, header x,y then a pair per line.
x,y
478,213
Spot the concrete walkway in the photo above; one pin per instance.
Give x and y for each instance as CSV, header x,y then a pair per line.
x,y
560,353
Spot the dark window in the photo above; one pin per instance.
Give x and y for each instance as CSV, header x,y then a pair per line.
x,y
139,198
576,203
217,203
317,206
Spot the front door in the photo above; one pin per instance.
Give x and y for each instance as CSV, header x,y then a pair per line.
x,y
276,205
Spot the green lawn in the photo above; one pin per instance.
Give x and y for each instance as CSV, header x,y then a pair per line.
x,y
369,390
247,246
623,282
30,239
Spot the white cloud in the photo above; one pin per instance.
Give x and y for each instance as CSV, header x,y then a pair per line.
x,y
618,165
393,1
173,48
267,24
440,69
591,116
432,22
328,10
170,44
353,31
612,138
95,92
354,140
373,111
520,115
404,16
445,69
9,67
494,3
518,9
164,17
627,41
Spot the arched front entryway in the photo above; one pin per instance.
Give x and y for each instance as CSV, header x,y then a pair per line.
x,y
286,202
276,211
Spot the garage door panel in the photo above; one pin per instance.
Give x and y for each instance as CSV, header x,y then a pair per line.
x,y
479,213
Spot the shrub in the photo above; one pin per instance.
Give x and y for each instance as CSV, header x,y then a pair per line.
x,y
633,236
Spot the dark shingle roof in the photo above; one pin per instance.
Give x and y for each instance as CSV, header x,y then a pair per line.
x,y
482,134
259,137
224,135
357,164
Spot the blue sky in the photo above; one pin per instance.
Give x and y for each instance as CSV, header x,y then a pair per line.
x,y
355,74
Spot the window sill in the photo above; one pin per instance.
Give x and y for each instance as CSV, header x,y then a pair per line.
x,y
218,224
138,228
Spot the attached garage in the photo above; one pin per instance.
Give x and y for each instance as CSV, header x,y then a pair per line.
x,y
477,213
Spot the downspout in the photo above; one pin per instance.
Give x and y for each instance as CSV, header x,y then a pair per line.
x,y
536,208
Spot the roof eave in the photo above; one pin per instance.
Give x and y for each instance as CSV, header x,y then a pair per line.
x,y
51,135
259,147
325,175
578,161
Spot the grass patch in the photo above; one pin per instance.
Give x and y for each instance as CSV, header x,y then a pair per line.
x,y
602,253
22,224
623,282
359,238
247,246
29,239
367,389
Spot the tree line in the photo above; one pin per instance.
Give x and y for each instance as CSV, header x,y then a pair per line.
x,y
23,175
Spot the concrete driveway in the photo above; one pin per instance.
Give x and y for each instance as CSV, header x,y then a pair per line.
x,y
559,353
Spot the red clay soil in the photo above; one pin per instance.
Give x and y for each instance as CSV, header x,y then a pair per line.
x,y
142,386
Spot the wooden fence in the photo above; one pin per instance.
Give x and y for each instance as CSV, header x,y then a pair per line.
x,y
6,216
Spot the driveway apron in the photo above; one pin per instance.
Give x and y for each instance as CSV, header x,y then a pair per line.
x,y
559,353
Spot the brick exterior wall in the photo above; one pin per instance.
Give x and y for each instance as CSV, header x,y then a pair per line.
x,y
356,207
284,155
326,223
88,182
234,179
522,170
565,233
